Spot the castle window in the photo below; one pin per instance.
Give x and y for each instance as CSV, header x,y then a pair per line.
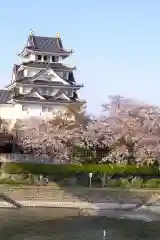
x,y
60,74
50,109
24,108
47,109
45,58
53,58
65,75
44,109
39,57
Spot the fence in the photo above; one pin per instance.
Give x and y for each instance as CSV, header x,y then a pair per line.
x,y
26,158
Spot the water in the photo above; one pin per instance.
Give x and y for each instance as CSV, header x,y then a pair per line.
x,y
63,224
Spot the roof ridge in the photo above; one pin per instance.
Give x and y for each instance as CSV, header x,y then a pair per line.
x,y
43,36
4,90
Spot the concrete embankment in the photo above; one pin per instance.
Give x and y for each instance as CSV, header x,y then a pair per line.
x,y
113,210
80,205
89,201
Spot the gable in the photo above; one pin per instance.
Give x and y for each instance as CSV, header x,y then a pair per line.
x,y
61,95
49,74
33,94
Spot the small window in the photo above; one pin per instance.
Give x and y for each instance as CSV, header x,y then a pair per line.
x,y
60,74
39,57
45,58
50,109
47,109
53,58
65,75
24,108
44,109
43,90
57,58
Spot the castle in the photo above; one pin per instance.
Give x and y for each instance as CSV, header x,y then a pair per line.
x,y
41,84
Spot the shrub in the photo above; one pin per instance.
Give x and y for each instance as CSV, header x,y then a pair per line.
x,y
152,183
13,182
71,170
137,183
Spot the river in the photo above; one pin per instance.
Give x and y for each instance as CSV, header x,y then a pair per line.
x,y
64,224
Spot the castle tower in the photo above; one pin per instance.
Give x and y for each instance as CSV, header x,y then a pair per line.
x,y
41,84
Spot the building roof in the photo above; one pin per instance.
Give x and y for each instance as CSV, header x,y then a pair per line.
x,y
19,74
42,82
45,44
5,96
56,83
39,82
54,66
33,95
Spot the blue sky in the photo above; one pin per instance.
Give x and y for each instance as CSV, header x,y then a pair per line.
x,y
116,43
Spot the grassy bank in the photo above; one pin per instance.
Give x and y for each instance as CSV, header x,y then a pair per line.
x,y
113,176
71,170
111,183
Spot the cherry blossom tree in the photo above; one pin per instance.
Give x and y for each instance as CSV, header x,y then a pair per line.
x,y
55,137
135,130
127,132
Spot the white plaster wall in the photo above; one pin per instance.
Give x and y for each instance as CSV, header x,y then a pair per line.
x,y
47,91
13,77
24,90
8,111
30,72
34,110
30,57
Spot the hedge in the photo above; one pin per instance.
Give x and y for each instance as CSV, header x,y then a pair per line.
x,y
71,170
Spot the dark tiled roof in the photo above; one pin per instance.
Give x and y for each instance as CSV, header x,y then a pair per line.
x,y
5,96
46,83
15,67
46,44
23,80
54,66
41,82
49,83
20,74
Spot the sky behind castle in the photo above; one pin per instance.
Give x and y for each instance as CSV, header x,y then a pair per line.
x,y
116,43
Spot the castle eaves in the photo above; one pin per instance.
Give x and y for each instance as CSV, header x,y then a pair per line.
x,y
54,66
5,96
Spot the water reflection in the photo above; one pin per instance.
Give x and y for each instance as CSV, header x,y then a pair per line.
x,y
61,224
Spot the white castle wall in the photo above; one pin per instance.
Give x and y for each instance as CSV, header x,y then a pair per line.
x,y
8,111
